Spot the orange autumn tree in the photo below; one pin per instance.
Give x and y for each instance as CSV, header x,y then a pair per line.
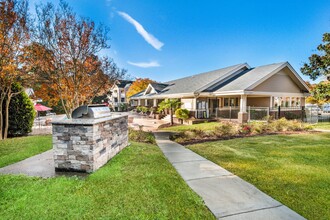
x,y
14,34
64,57
138,85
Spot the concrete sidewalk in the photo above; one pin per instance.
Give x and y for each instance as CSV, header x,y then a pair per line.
x,y
41,165
226,195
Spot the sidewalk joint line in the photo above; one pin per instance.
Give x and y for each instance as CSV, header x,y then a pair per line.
x,y
255,210
209,177
189,161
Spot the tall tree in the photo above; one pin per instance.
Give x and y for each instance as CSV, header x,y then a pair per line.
x,y
14,35
319,64
138,85
64,56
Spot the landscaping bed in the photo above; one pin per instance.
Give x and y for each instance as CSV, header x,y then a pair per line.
x,y
227,130
293,169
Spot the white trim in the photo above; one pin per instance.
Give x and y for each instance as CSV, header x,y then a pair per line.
x,y
278,94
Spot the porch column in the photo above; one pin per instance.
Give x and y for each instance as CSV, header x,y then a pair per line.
x,y
146,102
271,101
243,115
139,102
155,102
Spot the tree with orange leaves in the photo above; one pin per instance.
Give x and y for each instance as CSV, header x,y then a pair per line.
x,y
14,35
138,85
64,57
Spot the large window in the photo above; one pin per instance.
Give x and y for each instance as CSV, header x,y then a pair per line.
x,y
287,101
230,102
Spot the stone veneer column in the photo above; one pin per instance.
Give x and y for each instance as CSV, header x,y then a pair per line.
x,y
84,145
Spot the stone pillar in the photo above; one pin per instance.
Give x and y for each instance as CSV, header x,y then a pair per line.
x,y
242,114
84,145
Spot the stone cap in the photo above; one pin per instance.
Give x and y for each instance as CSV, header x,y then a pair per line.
x,y
82,121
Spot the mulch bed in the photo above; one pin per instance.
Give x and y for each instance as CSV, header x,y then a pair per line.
x,y
210,138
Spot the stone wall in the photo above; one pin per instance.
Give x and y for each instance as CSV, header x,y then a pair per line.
x,y
85,145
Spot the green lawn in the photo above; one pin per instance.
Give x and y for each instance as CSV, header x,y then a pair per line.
x,y
139,183
322,125
293,169
13,150
206,126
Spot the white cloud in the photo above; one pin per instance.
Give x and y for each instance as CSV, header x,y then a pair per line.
x,y
145,64
153,41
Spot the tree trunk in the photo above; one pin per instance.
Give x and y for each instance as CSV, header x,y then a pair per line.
x,y
5,133
1,121
1,118
171,114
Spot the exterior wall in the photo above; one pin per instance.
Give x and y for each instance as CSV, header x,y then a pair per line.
x,y
87,147
189,104
280,82
258,101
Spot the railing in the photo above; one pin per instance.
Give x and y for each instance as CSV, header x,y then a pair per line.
x,y
225,113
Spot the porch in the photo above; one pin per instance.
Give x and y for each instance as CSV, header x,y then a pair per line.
x,y
241,108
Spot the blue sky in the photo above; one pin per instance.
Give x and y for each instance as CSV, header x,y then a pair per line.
x,y
165,40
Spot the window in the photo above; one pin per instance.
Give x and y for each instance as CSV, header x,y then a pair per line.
x,y
230,102
122,100
115,99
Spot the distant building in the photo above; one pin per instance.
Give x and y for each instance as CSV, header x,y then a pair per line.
x,y
118,93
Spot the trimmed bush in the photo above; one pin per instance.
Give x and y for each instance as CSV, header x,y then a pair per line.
x,y
182,114
21,113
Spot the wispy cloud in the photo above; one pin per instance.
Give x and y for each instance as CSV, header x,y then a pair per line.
x,y
153,41
144,64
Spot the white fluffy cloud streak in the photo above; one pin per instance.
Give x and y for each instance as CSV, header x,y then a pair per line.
x,y
153,41
144,64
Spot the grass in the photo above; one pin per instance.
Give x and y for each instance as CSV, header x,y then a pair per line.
x,y
13,150
138,183
206,126
293,169
322,125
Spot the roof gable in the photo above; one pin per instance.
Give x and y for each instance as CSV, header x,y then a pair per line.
x,y
255,76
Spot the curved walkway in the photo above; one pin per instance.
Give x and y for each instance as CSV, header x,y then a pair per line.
x,y
226,195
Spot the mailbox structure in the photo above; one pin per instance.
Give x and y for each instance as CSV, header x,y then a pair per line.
x,y
89,140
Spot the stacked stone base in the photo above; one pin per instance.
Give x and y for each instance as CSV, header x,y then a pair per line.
x,y
84,145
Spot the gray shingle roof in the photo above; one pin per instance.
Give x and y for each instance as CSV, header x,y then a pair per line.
x,y
158,86
193,83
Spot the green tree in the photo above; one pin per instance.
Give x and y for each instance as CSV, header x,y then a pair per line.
x,y
319,64
171,105
320,93
22,113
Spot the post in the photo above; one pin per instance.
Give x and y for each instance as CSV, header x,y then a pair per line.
x,y
155,103
279,112
242,114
